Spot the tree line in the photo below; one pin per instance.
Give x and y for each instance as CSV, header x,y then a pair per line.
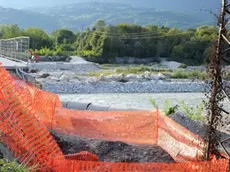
x,y
104,43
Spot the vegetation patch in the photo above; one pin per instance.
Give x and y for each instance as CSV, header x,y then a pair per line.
x,y
184,74
195,114
7,166
106,42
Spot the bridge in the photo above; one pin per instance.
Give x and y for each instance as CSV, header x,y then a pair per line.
x,y
11,65
16,49
14,53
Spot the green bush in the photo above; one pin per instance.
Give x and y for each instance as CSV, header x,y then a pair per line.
x,y
139,69
134,70
168,107
193,113
48,52
180,74
190,112
183,65
183,74
6,166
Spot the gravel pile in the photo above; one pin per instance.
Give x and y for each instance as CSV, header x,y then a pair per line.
x,y
119,87
112,151
196,127
199,128
61,66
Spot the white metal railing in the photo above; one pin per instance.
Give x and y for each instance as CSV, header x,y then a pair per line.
x,y
15,48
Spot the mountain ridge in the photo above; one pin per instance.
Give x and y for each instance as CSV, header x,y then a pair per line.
x,y
76,16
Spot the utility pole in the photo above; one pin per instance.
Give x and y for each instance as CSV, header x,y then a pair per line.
x,y
217,92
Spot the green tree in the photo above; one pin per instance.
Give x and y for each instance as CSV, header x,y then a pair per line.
x,y
38,38
63,36
10,31
98,25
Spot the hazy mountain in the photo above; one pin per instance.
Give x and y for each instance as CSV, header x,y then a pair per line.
x,y
27,19
178,5
81,14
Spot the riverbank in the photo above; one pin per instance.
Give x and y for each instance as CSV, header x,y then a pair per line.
x,y
158,86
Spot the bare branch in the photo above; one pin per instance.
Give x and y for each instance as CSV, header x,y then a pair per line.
x,y
220,143
224,110
225,140
226,50
226,61
226,39
227,11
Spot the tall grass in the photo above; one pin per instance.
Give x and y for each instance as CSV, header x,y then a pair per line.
x,y
183,74
194,113
7,166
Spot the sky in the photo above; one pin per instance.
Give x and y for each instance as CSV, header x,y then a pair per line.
x,y
33,3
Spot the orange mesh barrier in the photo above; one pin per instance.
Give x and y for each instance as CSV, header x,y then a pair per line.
x,y
27,138
26,114
208,166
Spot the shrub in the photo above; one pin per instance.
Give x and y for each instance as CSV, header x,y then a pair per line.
x,y
194,74
6,166
183,66
180,74
193,113
168,107
190,112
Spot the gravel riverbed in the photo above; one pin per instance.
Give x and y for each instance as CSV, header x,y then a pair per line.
x,y
119,87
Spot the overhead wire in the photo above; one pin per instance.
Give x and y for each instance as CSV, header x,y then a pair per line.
x,y
143,36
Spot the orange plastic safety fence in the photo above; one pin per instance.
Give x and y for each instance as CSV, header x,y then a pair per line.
x,y
24,110
140,127
179,142
131,127
27,138
144,127
87,166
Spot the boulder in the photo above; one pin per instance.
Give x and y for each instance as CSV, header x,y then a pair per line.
x,y
147,75
64,78
157,76
102,77
114,77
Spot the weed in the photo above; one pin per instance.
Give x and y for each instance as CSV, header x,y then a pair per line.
x,y
168,107
183,66
6,166
193,113
183,74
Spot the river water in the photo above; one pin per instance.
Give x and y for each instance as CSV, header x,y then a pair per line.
x,y
136,100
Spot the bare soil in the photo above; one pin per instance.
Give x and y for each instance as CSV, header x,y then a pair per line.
x,y
112,151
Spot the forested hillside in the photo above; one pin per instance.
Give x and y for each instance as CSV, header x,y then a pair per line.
x,y
81,15
104,43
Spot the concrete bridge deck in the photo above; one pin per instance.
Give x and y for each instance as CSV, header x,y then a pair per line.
x,y
10,64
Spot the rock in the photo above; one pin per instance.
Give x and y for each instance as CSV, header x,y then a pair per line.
x,y
5,153
132,77
161,76
102,77
157,76
196,127
52,78
44,75
114,77
154,77
64,78
147,75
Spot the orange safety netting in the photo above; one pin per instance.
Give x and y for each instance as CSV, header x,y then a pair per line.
x,y
26,114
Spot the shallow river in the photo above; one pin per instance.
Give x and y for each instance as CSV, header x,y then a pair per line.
x,y
136,101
